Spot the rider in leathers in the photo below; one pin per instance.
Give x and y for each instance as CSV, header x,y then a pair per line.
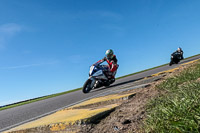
x,y
180,51
111,59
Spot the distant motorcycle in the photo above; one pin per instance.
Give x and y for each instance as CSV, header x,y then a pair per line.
x,y
175,58
97,78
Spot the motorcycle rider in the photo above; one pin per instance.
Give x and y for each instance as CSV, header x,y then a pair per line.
x,y
179,51
178,54
111,59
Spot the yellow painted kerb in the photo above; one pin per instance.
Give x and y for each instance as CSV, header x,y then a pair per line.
x,y
102,99
69,116
60,119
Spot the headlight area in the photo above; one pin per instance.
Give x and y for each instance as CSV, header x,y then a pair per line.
x,y
93,69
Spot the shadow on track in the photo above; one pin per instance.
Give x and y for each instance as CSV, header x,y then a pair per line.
x,y
122,83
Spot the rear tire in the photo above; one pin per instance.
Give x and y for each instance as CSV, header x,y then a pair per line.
x,y
107,84
112,80
86,86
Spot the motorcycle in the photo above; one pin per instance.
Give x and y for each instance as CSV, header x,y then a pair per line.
x,y
97,78
175,58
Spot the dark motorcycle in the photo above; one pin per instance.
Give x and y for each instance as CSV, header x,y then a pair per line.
x,y
175,58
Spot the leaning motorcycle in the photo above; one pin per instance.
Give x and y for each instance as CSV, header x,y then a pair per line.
x,y
97,78
175,58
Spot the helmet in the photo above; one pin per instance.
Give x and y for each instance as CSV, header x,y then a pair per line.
x,y
109,53
179,49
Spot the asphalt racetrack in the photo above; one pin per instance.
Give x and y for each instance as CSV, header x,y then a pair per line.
x,y
13,117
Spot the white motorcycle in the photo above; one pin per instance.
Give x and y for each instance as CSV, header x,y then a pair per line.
x,y
97,78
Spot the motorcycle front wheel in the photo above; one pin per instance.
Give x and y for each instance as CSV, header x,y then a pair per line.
x,y
87,86
170,63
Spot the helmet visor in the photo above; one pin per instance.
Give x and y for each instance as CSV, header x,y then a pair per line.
x,y
109,56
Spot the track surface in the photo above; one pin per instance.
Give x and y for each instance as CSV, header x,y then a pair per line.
x,y
10,118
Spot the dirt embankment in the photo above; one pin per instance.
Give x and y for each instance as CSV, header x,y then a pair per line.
x,y
127,117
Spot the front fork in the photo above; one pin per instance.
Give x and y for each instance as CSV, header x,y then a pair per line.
x,y
92,85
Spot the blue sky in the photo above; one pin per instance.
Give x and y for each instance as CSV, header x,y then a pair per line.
x,y
47,46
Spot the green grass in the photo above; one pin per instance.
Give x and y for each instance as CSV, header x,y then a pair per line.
x,y
178,109
58,94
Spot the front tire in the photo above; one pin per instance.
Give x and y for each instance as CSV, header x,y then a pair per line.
x,y
87,86
170,63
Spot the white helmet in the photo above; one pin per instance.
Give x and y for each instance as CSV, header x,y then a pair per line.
x,y
179,49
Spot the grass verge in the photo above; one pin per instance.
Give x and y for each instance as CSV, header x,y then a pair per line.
x,y
178,109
